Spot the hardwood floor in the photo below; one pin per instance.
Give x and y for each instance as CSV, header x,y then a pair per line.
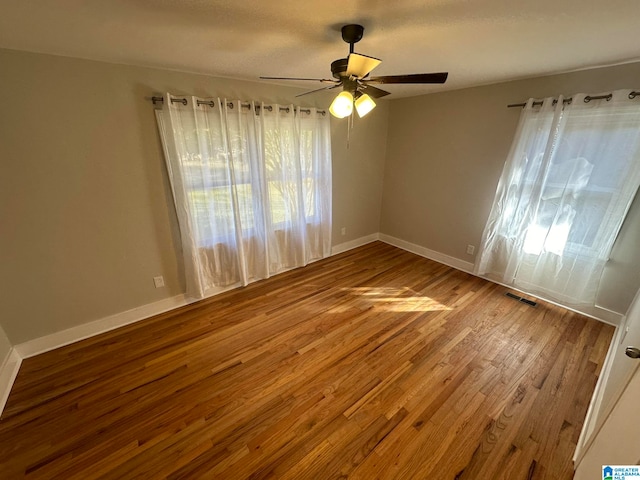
x,y
375,363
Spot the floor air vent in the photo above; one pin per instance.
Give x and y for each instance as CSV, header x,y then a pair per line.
x,y
521,299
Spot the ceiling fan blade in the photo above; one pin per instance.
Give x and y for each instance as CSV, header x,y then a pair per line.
x,y
413,78
361,65
319,89
323,80
372,91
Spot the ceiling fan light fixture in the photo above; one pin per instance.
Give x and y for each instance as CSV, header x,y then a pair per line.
x,y
342,105
364,104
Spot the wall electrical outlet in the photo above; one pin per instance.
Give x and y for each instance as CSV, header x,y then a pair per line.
x,y
343,231
470,249
158,281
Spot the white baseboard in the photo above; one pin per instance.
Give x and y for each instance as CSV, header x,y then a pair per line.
x,y
427,253
55,340
599,313
8,372
65,337
358,242
605,315
44,344
11,365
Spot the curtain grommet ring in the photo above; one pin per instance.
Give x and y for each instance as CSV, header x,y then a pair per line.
x,y
588,98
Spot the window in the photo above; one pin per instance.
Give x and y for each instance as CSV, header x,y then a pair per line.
x,y
587,170
571,175
252,188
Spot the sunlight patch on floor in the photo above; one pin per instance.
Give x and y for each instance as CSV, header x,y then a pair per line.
x,y
396,299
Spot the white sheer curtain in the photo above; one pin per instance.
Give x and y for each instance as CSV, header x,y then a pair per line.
x,y
251,185
569,179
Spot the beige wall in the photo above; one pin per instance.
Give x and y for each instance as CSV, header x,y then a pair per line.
x,y
445,153
358,174
85,207
87,216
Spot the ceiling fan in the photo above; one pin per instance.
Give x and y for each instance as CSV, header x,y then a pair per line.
x,y
352,74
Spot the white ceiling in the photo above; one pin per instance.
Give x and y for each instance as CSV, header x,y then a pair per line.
x,y
476,41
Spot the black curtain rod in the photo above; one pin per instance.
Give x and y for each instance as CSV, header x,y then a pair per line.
x,y
587,99
212,104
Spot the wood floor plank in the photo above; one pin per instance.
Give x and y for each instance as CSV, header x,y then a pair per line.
x,y
374,363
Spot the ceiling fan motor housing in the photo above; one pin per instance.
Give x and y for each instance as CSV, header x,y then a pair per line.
x,y
339,68
351,34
